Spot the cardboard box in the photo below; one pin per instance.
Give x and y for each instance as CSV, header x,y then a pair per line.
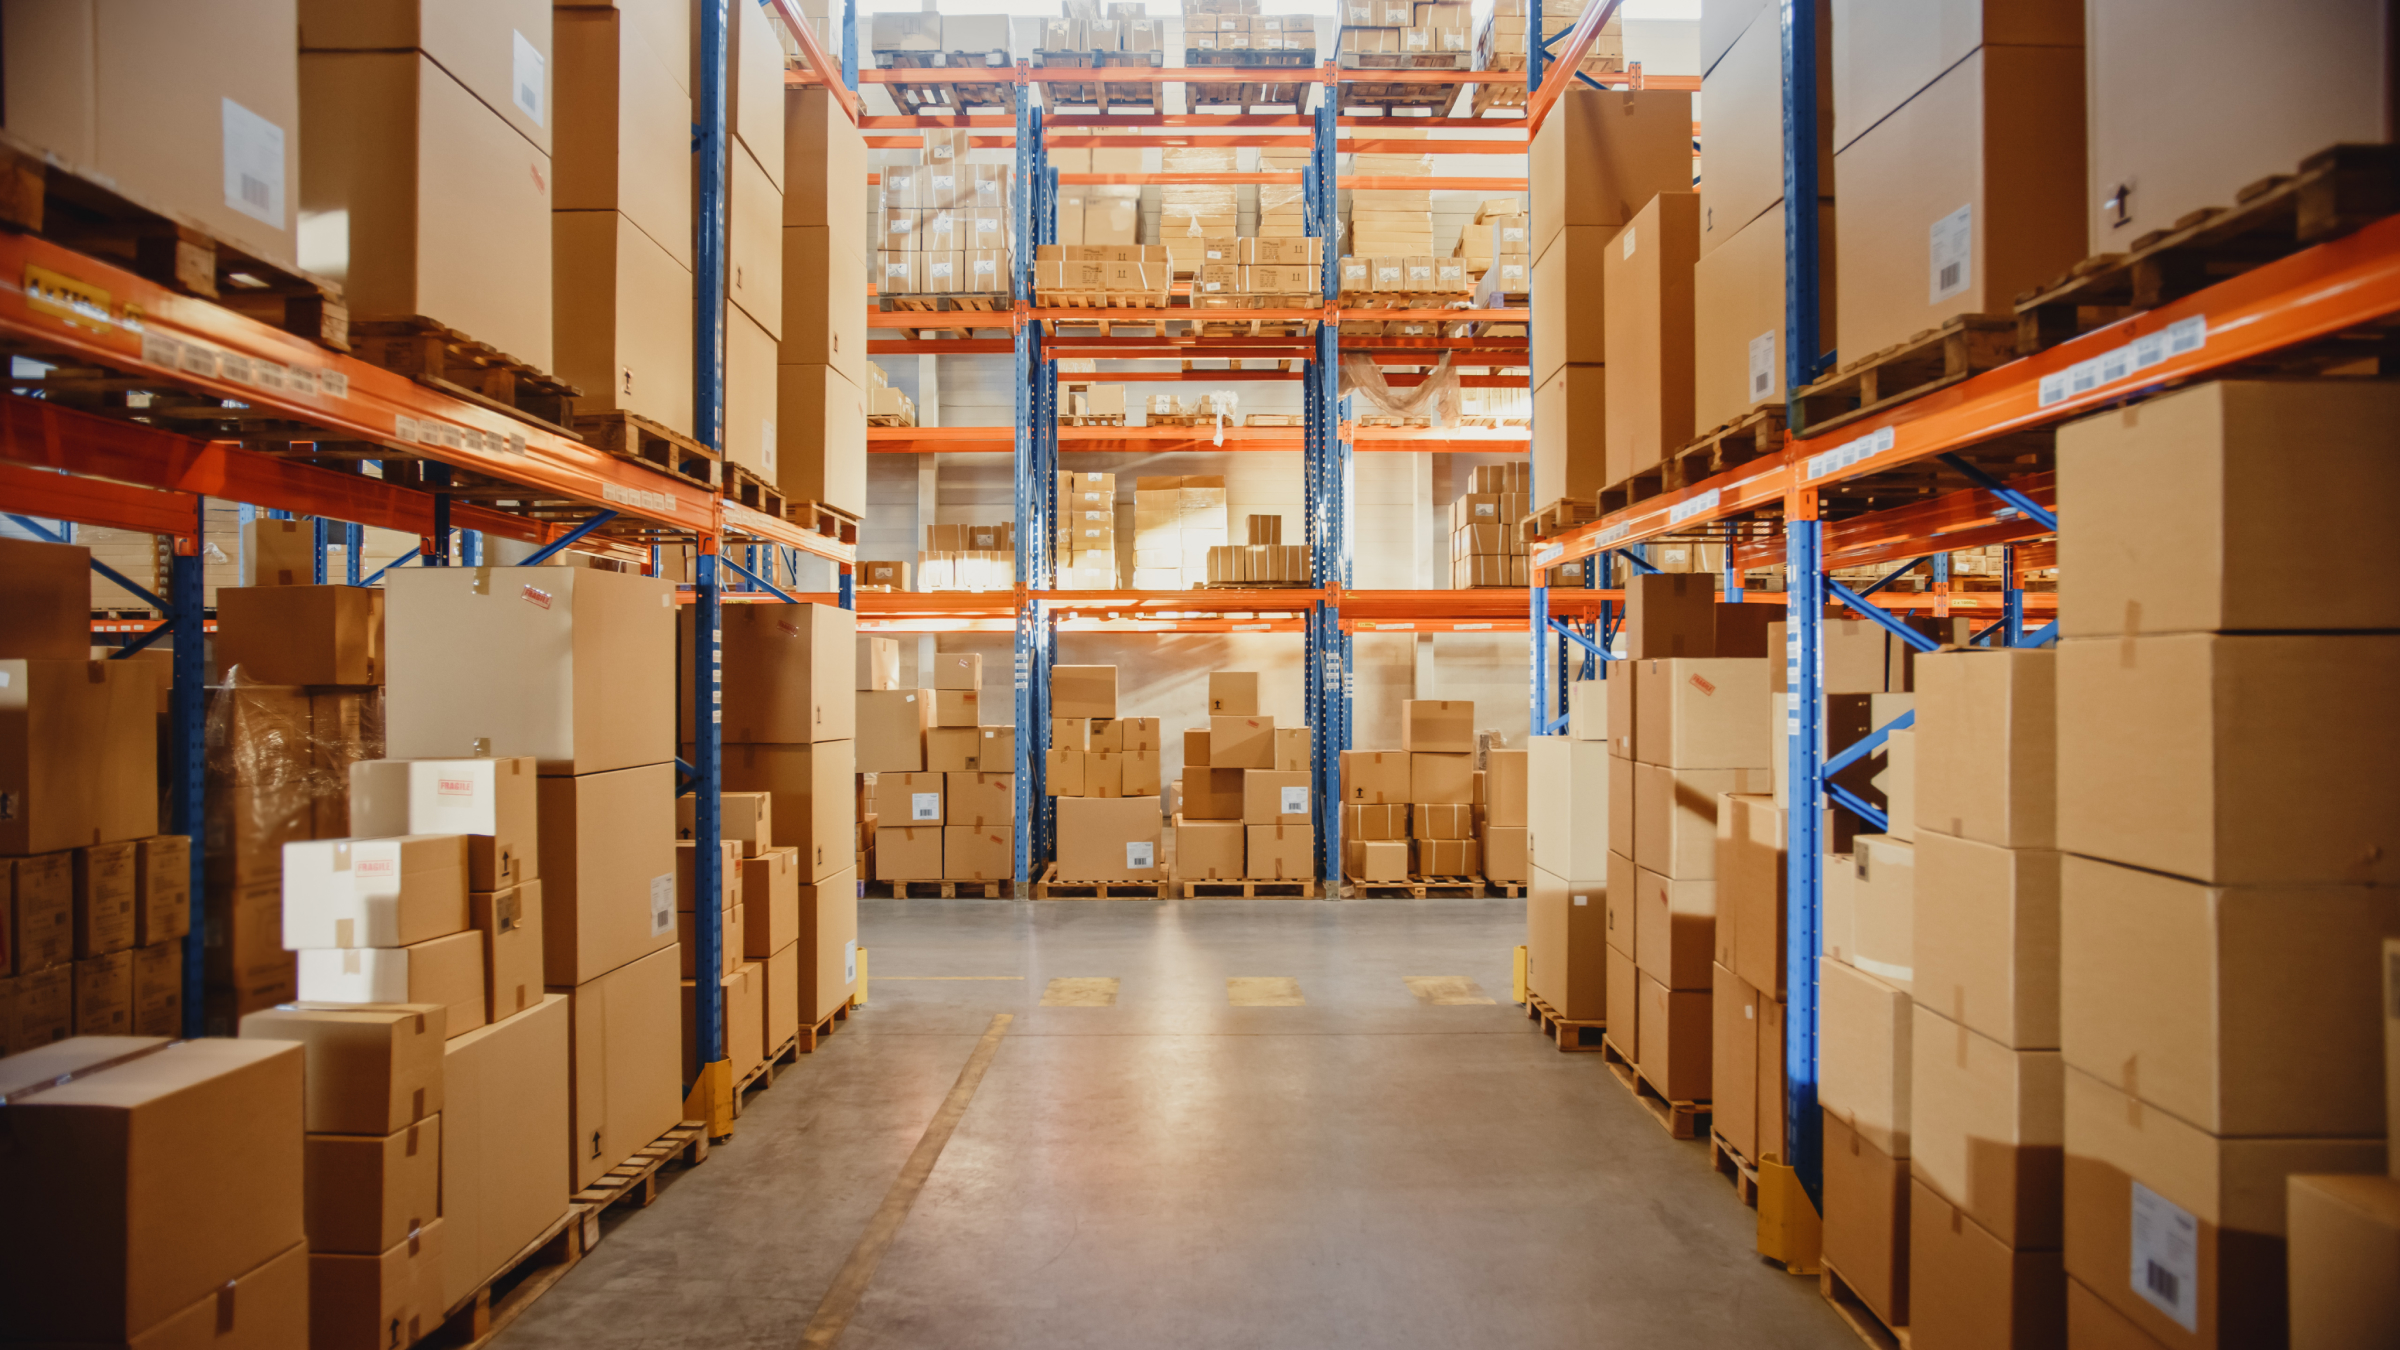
x,y
104,995
44,1008
1675,814
360,1300
366,1192
1672,1028
1986,1128
821,436
1752,876
787,673
608,864
891,730
502,53
1281,852
157,991
180,1137
1733,1061
1114,839
370,1070
1433,820
103,898
744,1011
374,892
491,801
623,135
829,946
2199,1218
1986,745
1276,798
1742,91
979,852
1675,929
1241,742
1669,615
2175,562
621,1039
823,157
2345,1252
274,553
1369,777
979,799
510,921
1648,314
1884,913
78,753
1864,1055
908,853
1702,714
1375,822
1867,1219
1437,726
1212,794
811,787
446,970
2197,1018
392,148
1566,945
1623,902
1083,691
1738,318
1559,819
1211,850
1623,151
770,903
1988,954
301,634
911,799
1573,333
507,1108
1968,1287
1233,693
46,601
745,822
1505,788
1441,779
2157,770
1375,859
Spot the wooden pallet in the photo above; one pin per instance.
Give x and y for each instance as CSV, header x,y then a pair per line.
x,y
1050,887
1512,890
959,302
2333,192
636,1179
1855,1313
813,1035
632,436
1390,97
1271,419
817,518
481,1316
152,240
936,96
1291,91
1390,423
1416,888
1968,345
950,890
1681,1119
750,490
1102,94
1753,436
1304,889
1571,1037
1731,1165
763,1077
1091,419
890,420
1557,518
440,357
1180,419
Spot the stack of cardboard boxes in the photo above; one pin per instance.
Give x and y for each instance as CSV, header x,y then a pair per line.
x,y
1107,214
1263,558
1497,240
2229,856
1248,273
1373,28
822,378
1607,52
945,225
1392,222
180,1164
1190,215
1573,930
1486,547
1646,299
978,39
1128,28
1103,838
962,557
1219,26
954,815
1176,521
1102,757
746,827
2344,1227
887,404
1102,276
1283,207
98,900
1414,812
1597,159
1099,401
1087,545
1503,793
1245,808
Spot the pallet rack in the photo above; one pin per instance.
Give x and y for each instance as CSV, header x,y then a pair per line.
x,y
1951,450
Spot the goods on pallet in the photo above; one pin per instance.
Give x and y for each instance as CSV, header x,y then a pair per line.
x,y
1220,27
944,229
1486,548
1391,221
887,406
1391,27
1189,215
1247,273
1103,757
1646,308
968,558
1283,207
1246,810
1497,237
820,404
1176,520
1102,276
1263,557
1086,505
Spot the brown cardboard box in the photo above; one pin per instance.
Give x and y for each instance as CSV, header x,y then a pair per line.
x,y
1968,1287
1272,798
623,139
1576,795
1507,855
1573,332
491,801
445,970
1447,857
891,729
1913,44
1213,794
1115,839
2183,995
1624,998
162,888
1867,1219
1986,743
464,680
744,1010
374,892
502,52
1437,726
745,820
731,923
1676,816
1569,456
1864,1056
770,903
787,673
157,991
1968,194
1441,779
1623,902
2092,1322
829,943
1986,1128
2205,1214
1988,954
185,1137
1430,820
1623,150
369,1300
608,864
957,708
958,670
908,853
1063,773
507,1108
46,601
780,997
1372,777
1648,312
1668,615
1618,696
1752,877
980,799
2176,560
1673,1032
393,149
370,1070
1281,852
1566,946
44,1007
754,249
1083,691
1241,742
1702,714
243,955
821,436
824,310
979,852
912,799
1505,788
104,899
1375,859
2345,1253
1211,850
104,995
1375,822
1675,929
278,553
301,634
511,923
687,875
823,157
78,753
1738,319
1233,693
811,785
2157,768
1742,91
1884,909
624,1092
365,1192
1293,749
1733,1061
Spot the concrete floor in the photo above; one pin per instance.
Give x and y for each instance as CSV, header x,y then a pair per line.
x,y
1361,1170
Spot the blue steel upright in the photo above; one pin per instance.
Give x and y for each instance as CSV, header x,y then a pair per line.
x,y
1802,327
1033,222
1804,743
187,752
708,408
1326,496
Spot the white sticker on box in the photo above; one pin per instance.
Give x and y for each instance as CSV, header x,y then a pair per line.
x,y
2166,1256
1295,801
850,961
766,443
1762,366
525,77
1139,855
1583,899
925,806
1629,241
662,904
253,165
1952,254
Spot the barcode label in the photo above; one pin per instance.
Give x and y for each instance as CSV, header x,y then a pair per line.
x,y
1952,249
2166,1256
2180,338
253,164
527,76
1762,366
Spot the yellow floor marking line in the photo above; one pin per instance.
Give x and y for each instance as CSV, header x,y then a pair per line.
x,y
1081,991
1445,991
850,1283
1263,991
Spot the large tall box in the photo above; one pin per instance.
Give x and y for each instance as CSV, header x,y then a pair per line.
x,y
622,1039
1566,946
624,317
1648,315
1967,1287
828,968
500,51
608,864
1110,839
1570,457
78,753
301,634
45,601
1600,155
623,139
754,245
1575,794
1987,1128
821,437
824,175
1867,1219
1569,328
424,202
570,665
813,800
505,1107
1742,93
1738,317
786,671
1986,744
1987,955
824,303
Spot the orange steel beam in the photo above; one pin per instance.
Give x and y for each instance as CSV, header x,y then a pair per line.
x,y
1560,69
94,501
827,69
1170,440
1399,183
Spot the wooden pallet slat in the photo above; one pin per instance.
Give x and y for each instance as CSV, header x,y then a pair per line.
x,y
1680,1119
1571,1036
1053,887
1967,345
1297,889
814,1034
632,436
440,357
1730,1164
1863,1320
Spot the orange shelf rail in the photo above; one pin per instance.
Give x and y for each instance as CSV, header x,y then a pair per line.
x,y
1200,439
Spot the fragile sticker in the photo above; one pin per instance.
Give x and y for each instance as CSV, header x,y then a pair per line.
x,y
534,595
454,787
1701,683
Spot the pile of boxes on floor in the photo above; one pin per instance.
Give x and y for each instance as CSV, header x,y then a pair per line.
x,y
1446,805
1176,521
1399,27
968,558
945,225
1264,558
1486,547
1112,838
1244,807
937,784
97,902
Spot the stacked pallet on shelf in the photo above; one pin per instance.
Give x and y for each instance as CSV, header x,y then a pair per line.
x,y
1176,521
930,41
1262,559
1503,43
1102,757
1248,273
1283,207
822,376
1497,239
887,404
1191,214
1095,405
1086,552
1486,548
968,558
1118,838
1102,276
944,240
1244,806
1127,36
1234,33
1401,35
1100,213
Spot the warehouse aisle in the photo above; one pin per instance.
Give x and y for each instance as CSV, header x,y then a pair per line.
x,y
1340,1162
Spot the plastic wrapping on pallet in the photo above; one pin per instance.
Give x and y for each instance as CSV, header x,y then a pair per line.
x,y
278,763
